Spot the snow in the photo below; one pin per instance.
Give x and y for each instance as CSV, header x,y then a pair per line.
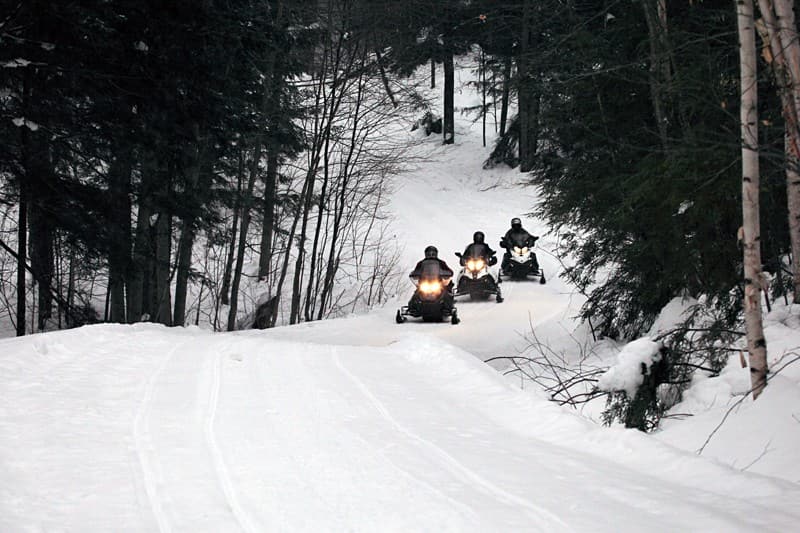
x,y
16,63
718,418
20,121
633,362
360,424
685,205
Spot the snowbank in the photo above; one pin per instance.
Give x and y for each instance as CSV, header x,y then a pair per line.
x,y
633,363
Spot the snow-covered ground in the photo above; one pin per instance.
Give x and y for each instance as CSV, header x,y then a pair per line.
x,y
360,424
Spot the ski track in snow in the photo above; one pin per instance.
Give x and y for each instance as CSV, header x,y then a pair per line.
x,y
144,445
451,462
223,474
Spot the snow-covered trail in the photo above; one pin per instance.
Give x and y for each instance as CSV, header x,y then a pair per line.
x,y
443,203
356,424
188,431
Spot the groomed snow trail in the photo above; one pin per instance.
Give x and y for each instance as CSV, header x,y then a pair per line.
x,y
244,433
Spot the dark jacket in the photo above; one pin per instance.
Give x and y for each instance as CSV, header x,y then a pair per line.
x,y
517,237
478,250
431,268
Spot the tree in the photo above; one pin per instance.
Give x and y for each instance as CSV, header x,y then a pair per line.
x,y
419,32
751,235
782,54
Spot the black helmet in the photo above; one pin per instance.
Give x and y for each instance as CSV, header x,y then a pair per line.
x,y
431,252
478,237
516,223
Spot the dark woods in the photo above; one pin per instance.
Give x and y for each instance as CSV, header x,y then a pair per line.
x,y
189,162
218,163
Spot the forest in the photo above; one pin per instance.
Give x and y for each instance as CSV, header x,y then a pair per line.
x,y
227,163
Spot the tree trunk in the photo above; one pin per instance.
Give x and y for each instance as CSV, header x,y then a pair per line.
x,y
774,54
39,185
790,58
385,78
659,68
286,259
139,293
22,252
70,320
316,247
226,277
448,125
163,292
294,315
268,227
41,250
182,269
120,247
524,91
756,343
237,273
484,109
506,90
162,276
271,101
198,188
433,73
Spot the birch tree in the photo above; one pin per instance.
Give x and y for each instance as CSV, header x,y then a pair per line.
x,y
751,238
782,52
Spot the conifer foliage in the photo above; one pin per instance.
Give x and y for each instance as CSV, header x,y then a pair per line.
x,y
178,155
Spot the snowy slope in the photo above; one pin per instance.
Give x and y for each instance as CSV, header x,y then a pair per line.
x,y
143,428
356,424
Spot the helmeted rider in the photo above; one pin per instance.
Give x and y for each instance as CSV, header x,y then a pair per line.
x,y
517,236
432,265
479,248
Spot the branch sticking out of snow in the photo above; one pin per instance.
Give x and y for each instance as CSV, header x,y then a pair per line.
x,y
626,375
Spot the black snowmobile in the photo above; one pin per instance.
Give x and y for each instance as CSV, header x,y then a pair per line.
x,y
520,261
432,300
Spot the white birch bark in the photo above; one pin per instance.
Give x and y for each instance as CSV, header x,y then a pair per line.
x,y
756,343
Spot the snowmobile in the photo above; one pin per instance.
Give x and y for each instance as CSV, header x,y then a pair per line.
x,y
476,279
430,301
520,260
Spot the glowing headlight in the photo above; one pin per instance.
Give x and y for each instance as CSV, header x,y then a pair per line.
x,y
518,250
525,250
475,265
429,287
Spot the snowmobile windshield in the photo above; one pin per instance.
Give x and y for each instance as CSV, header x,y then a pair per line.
x,y
431,270
519,238
476,250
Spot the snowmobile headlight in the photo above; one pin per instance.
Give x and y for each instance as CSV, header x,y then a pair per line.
x,y
430,287
518,250
525,250
475,265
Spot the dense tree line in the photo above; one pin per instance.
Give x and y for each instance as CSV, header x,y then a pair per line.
x,y
153,151
629,124
166,147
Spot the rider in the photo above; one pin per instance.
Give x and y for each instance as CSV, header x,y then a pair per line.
x,y
517,236
433,263
478,248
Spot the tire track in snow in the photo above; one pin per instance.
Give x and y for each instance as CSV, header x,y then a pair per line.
x,y
144,448
223,474
499,493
